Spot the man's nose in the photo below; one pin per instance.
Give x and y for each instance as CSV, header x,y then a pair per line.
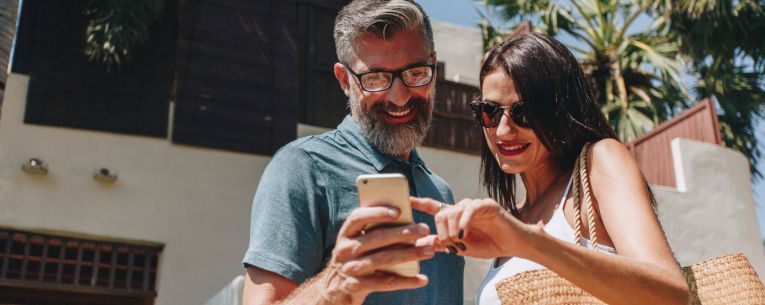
x,y
398,93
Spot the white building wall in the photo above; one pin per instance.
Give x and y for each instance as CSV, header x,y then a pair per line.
x,y
461,48
712,211
196,201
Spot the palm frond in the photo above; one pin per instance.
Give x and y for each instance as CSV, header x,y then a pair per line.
x,y
116,27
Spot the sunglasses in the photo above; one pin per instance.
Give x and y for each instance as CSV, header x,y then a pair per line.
x,y
489,114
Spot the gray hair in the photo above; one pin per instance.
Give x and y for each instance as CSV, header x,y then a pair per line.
x,y
382,18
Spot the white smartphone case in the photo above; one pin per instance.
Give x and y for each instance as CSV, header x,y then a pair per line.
x,y
390,190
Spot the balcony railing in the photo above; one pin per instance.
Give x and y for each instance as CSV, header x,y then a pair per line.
x,y
54,262
453,125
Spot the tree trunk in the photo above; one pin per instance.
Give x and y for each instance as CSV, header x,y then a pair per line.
x,y
8,14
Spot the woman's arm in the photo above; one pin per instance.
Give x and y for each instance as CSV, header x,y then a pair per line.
x,y
645,268
615,279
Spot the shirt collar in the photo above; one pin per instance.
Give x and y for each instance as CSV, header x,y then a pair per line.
x,y
353,134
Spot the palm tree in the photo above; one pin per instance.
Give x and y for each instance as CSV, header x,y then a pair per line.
x,y
724,44
638,73
8,13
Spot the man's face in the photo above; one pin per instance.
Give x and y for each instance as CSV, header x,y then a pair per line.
x,y
397,119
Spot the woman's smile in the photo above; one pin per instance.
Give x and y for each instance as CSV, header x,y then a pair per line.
x,y
512,149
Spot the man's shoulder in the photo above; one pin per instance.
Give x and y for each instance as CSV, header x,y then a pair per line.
x,y
438,180
313,144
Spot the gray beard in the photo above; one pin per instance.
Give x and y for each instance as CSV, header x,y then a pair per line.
x,y
394,140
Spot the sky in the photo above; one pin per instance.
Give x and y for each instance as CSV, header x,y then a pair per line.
x,y
465,13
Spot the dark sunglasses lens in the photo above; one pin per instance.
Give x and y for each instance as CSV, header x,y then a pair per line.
x,y
477,112
518,113
487,114
493,114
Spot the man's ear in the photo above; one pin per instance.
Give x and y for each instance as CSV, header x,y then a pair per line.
x,y
342,78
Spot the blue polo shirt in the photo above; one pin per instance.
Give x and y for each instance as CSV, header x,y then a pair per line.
x,y
307,191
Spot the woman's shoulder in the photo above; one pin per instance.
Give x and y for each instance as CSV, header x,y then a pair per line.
x,y
608,146
611,157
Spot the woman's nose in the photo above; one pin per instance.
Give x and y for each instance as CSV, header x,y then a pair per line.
x,y
506,127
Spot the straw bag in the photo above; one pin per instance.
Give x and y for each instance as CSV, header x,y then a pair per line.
x,y
725,280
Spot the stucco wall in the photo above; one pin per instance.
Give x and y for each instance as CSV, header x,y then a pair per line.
x,y
461,48
712,211
195,201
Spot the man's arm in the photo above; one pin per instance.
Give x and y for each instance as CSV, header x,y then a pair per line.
x,y
263,287
351,274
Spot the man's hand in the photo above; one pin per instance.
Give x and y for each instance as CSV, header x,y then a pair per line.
x,y
352,272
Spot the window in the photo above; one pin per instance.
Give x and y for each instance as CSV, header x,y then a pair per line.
x,y
56,269
67,90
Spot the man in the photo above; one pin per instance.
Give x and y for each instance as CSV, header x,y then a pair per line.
x,y
307,244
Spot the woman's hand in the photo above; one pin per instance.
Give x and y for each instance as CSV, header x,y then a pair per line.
x,y
478,228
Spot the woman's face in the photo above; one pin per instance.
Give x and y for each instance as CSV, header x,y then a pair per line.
x,y
516,149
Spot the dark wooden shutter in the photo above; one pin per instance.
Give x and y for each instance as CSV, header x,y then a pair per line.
x,y
453,125
44,268
237,75
322,101
67,90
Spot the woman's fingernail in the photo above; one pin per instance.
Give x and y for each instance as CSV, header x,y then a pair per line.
x,y
452,249
462,246
423,279
422,229
461,233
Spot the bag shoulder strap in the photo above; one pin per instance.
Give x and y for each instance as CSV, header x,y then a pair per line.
x,y
583,192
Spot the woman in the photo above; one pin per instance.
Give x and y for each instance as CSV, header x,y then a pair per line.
x,y
537,112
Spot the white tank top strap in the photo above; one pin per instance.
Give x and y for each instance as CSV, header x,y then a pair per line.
x,y
565,193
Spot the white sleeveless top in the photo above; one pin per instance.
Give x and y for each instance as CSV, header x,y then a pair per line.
x,y
557,227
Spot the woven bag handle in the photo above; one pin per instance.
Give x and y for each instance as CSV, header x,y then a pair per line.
x,y
582,185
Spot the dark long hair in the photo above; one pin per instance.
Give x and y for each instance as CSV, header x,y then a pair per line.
x,y
559,102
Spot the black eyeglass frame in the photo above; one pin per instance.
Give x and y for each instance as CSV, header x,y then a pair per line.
x,y
517,113
394,74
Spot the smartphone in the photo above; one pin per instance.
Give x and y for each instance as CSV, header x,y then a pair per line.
x,y
389,190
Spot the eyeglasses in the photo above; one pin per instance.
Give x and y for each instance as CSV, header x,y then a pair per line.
x,y
376,81
489,114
